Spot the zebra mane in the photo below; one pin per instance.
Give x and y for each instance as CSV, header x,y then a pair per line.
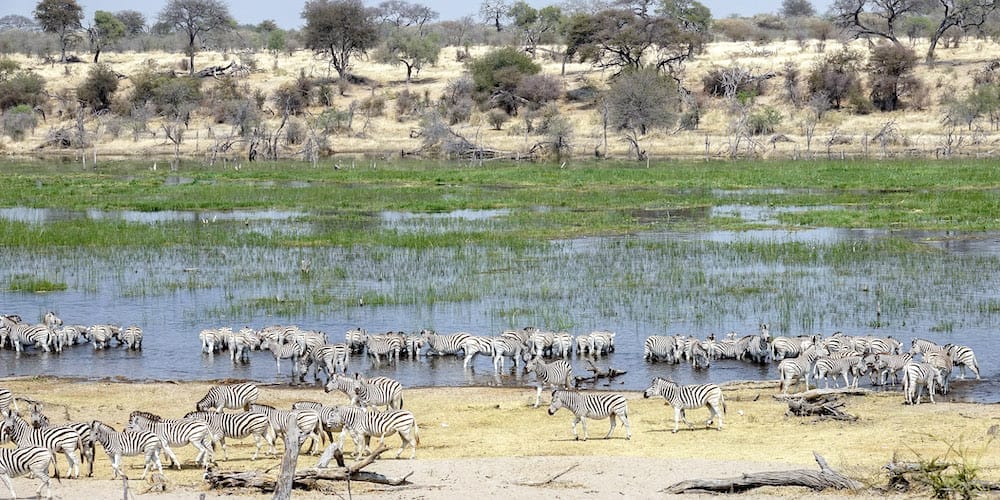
x,y
146,415
262,406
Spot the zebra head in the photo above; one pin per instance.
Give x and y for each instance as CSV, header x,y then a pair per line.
x,y
658,388
38,419
557,402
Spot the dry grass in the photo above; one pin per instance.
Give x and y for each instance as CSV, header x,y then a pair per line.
x,y
500,422
386,136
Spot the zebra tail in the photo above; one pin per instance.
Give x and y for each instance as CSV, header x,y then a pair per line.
x,y
722,399
416,433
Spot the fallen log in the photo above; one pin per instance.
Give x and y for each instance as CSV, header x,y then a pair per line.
x,y
597,373
829,408
814,394
819,480
306,479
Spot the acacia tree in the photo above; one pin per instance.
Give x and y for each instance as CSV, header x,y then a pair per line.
x,y
494,12
340,29
797,8
61,17
408,47
963,14
134,21
195,18
106,30
640,100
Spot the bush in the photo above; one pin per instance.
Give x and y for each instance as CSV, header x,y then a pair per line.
x,y
332,120
735,29
22,88
171,95
407,104
98,88
764,121
501,69
241,113
836,77
372,106
496,118
720,82
289,100
539,89
890,68
295,132
18,120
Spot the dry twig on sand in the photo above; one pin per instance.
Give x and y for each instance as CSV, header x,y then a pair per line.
x,y
822,479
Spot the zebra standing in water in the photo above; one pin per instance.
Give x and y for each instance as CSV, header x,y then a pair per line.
x,y
55,439
131,337
355,339
443,344
229,396
594,406
291,350
21,334
558,372
364,424
657,347
830,367
377,391
21,461
507,346
238,426
100,335
688,397
388,345
128,444
175,433
915,377
797,369
474,345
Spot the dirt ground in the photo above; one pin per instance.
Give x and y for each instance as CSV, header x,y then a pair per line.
x,y
493,440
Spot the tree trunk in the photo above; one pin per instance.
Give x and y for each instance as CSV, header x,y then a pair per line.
x,y
815,480
97,53
283,486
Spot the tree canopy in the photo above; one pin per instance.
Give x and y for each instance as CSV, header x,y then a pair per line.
x,y
340,29
195,18
62,17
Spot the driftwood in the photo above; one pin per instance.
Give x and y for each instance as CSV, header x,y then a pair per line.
x,y
816,480
304,479
597,373
827,408
214,71
552,478
816,394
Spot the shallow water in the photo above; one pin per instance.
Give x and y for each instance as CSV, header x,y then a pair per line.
x,y
659,282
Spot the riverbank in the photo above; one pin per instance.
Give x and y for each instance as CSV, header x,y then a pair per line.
x,y
478,437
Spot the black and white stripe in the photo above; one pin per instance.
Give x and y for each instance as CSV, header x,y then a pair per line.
x,y
554,374
963,356
594,406
881,366
210,340
364,424
238,426
327,417
307,420
279,351
474,345
234,396
355,339
916,376
131,337
57,439
377,391
175,433
7,400
388,345
828,367
797,369
23,334
128,444
30,460
443,344
507,346
687,397
100,335
331,358
39,420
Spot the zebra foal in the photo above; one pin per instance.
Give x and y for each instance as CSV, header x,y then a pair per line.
x,y
128,444
593,406
21,461
687,397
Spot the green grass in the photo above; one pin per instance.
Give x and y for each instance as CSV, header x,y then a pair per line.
x,y
28,283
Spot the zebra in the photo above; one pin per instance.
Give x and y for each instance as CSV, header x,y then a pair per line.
x,y
331,358
281,351
377,391
942,361
798,368
63,439
506,346
540,342
355,339
131,337
364,424
723,349
7,400
30,460
21,334
474,345
963,356
885,365
830,367
388,345
241,343
756,347
412,345
923,345
51,320
882,344
39,421
685,397
558,372
128,443
229,396
326,416
100,335
443,344
657,347
562,344
238,426
789,347
915,377
340,383
210,340
307,420
175,433
594,406
698,354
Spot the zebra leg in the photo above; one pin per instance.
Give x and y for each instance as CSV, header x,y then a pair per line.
x,y
10,487
628,426
115,460
612,429
538,396
677,416
74,463
170,454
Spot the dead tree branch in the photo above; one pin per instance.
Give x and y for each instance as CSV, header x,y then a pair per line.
x,y
816,480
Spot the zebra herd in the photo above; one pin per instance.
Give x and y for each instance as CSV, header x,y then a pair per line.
x,y
925,365
51,335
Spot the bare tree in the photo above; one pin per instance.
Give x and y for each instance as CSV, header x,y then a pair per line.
x,y
340,29
639,101
878,18
196,18
494,12
963,14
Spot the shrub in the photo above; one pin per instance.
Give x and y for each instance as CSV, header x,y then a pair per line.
x,y
500,71
836,77
333,120
373,106
22,88
721,82
539,89
171,95
496,118
98,88
295,132
18,120
890,68
289,100
735,29
764,121
407,104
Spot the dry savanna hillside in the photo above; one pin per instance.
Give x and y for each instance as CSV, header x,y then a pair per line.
x,y
368,122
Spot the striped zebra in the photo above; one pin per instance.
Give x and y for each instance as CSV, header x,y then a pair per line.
x,y
238,426
963,356
723,349
327,417
474,345
241,343
412,344
39,421
23,334
228,396
7,400
698,353
554,374
562,344
923,345
100,335
790,347
342,383
32,460
686,397
307,420
942,361
388,345
915,377
175,433
540,342
128,444
661,347
881,344
377,391
828,367
210,340
362,425
281,351
51,320
593,406
443,344
131,337
755,347
57,439
355,339
797,369
886,365
331,358
507,346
